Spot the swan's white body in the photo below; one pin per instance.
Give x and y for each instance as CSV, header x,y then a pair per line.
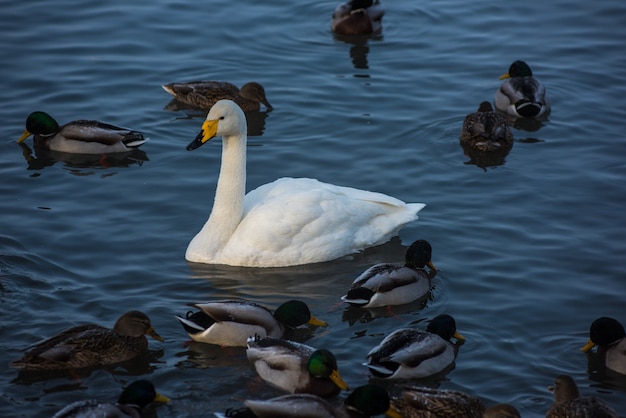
x,y
289,221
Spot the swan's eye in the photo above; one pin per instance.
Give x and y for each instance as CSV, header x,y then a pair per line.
x,y
221,117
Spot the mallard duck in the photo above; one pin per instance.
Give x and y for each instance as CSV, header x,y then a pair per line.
x,y
91,345
232,322
295,367
486,130
357,17
609,335
364,401
133,399
387,284
422,402
569,403
80,136
289,221
411,353
521,94
204,94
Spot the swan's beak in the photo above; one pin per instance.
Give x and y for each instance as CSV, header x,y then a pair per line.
x,y
505,75
209,129
25,135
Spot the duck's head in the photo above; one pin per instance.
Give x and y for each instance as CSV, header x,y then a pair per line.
x,y
564,389
604,331
255,91
135,324
419,255
224,119
294,313
140,393
323,364
444,326
517,69
369,400
39,123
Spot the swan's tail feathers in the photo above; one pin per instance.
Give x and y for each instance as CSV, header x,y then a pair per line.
x,y
416,206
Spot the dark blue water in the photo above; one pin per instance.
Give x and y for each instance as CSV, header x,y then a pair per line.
x,y
531,251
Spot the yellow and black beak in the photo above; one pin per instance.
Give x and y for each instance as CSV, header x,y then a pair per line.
x,y
504,76
209,129
25,135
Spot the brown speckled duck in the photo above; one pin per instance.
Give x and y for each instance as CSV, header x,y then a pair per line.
x,y
91,345
422,402
203,95
357,17
569,403
486,130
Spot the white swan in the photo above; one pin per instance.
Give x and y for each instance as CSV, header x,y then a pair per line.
x,y
289,221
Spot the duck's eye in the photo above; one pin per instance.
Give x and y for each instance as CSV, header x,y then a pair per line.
x,y
221,117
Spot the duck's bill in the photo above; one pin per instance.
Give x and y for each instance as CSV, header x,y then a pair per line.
x,y
317,322
338,380
161,398
209,129
151,332
25,135
392,413
590,344
504,76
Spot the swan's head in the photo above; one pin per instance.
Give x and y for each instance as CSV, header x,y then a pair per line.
x,y
224,119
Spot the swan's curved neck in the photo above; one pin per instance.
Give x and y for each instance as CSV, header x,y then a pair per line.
x,y
230,192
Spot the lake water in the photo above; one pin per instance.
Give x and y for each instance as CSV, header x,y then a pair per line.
x,y
530,251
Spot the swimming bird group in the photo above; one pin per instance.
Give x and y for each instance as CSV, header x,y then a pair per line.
x,y
298,221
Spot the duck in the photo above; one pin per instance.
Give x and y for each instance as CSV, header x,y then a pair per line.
x,y
80,136
91,345
521,94
130,403
422,402
229,323
364,401
357,17
291,221
609,336
388,284
486,130
410,353
295,367
569,403
202,95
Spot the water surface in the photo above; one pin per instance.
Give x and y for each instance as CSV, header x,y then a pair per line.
x,y
531,251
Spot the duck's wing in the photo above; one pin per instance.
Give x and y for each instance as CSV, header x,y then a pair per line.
x,y
70,344
104,133
240,311
202,94
381,280
300,405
